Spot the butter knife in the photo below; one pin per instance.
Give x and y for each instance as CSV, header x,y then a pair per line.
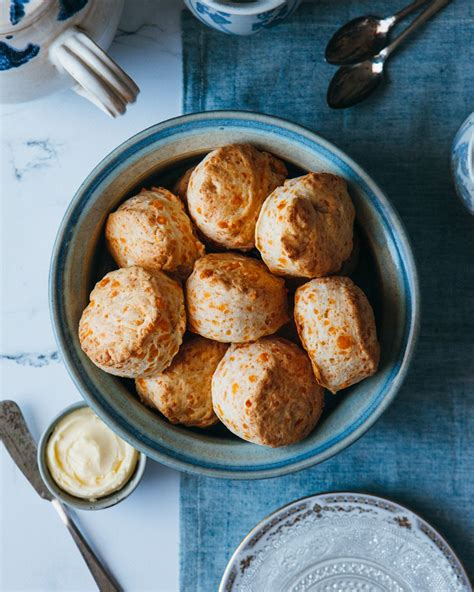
x,y
22,448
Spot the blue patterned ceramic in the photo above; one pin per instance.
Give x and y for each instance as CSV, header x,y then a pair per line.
x,y
241,18
49,45
76,502
389,279
462,163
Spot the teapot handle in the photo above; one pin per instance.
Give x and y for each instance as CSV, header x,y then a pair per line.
x,y
98,78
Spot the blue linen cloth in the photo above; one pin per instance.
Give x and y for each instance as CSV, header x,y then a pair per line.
x,y
420,453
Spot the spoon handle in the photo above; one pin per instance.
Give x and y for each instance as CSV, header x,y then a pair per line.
x,y
401,14
432,9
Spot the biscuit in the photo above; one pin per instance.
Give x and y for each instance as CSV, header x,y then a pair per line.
x,y
305,227
182,392
134,322
180,188
233,299
336,325
226,191
266,393
153,230
350,265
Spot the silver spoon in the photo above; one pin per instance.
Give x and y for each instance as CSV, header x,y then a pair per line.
x,y
353,84
22,448
364,36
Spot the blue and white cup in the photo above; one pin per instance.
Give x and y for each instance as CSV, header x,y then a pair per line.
x,y
241,17
462,163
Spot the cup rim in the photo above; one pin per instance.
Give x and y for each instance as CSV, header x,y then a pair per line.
x,y
232,7
78,503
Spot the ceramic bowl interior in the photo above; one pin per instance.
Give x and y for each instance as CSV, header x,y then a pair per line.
x,y
71,500
386,272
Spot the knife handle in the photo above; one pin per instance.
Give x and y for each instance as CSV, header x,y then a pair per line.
x,y
104,580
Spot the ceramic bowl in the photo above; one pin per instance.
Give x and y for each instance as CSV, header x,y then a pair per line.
x,y
71,500
462,163
386,272
244,17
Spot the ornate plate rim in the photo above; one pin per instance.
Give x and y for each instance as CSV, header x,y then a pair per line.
x,y
435,537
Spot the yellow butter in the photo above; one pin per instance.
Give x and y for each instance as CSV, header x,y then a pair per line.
x,y
86,459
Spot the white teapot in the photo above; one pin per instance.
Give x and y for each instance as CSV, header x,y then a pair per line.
x,y
48,45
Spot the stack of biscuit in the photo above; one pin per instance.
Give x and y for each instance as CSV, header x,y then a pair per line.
x,y
178,269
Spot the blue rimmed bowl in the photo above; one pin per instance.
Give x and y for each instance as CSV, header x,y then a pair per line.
x,y
386,272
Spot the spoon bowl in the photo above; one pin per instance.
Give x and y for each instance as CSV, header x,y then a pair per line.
x,y
353,84
359,40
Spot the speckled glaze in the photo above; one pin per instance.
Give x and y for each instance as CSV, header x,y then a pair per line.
x,y
335,542
241,18
76,502
462,163
74,269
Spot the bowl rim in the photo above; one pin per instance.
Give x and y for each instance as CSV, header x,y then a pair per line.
x,y
101,503
400,238
365,497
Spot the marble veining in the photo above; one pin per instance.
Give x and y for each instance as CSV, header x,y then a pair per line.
x,y
48,148
32,155
34,360
140,31
149,33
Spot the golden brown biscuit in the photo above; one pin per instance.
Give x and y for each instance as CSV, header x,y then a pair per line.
x,y
134,322
350,265
305,227
266,393
182,392
336,325
232,298
226,191
153,230
180,188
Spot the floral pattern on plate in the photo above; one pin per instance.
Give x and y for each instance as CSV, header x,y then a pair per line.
x,y
344,542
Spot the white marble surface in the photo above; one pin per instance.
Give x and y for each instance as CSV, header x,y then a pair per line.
x,y
48,147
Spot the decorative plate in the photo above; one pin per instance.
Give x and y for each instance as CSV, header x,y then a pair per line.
x,y
344,542
462,163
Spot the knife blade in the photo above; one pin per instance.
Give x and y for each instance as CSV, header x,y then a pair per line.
x,y
20,444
